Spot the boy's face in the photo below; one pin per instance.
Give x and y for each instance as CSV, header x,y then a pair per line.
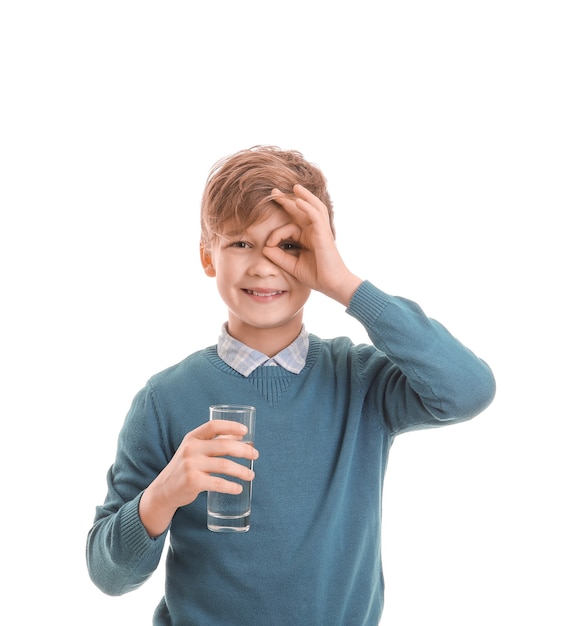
x,y
259,295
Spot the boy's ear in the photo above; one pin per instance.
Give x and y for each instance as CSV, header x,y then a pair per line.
x,y
206,260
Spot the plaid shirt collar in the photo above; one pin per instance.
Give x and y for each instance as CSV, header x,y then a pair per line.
x,y
245,360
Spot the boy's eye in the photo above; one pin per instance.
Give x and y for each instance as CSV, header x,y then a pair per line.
x,y
239,244
289,246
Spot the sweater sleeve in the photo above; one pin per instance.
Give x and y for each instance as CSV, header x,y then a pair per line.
x,y
120,554
428,377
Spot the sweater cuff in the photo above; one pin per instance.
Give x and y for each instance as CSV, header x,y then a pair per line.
x,y
367,303
133,531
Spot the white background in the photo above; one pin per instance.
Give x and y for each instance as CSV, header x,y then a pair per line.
x,y
447,131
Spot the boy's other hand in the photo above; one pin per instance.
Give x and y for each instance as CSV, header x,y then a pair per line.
x,y
191,471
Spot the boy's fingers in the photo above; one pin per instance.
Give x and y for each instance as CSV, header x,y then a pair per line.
x,y
305,194
214,428
221,438
309,198
288,203
282,259
300,192
226,467
221,485
222,447
288,232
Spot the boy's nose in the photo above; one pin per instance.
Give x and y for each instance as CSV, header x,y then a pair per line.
x,y
262,266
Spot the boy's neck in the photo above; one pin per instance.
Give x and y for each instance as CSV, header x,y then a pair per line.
x,y
269,341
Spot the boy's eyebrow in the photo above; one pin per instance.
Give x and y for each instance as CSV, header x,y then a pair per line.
x,y
234,232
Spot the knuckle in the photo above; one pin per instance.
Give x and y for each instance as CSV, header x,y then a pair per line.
x,y
223,465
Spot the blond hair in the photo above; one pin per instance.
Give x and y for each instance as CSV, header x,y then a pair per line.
x,y
239,187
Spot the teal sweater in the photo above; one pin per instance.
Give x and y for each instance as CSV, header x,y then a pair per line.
x,y
313,554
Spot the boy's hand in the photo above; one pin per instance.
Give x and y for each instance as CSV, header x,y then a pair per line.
x,y
316,261
190,471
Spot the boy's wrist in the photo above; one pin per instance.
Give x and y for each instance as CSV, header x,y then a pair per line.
x,y
154,514
345,289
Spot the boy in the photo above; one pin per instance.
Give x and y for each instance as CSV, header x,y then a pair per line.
x,y
327,413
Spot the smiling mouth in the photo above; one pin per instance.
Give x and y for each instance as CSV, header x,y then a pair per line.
x,y
262,294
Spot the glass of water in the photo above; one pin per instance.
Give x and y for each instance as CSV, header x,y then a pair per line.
x,y
231,512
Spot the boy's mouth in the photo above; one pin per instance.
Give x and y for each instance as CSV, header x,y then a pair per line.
x,y
263,294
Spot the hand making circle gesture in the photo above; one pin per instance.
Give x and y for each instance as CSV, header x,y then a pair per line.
x,y
313,258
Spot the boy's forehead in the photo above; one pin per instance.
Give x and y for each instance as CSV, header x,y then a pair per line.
x,y
273,217
236,226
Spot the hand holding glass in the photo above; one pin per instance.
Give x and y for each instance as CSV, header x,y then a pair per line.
x,y
231,512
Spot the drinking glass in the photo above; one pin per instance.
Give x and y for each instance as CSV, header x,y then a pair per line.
x,y
231,512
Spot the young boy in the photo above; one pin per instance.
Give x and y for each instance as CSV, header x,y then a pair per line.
x,y
327,413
